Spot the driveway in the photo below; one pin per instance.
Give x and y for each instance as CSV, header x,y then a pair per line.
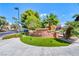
x,y
14,47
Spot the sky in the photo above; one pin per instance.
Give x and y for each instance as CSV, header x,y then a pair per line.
x,y
64,11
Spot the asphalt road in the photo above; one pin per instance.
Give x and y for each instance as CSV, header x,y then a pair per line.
x,y
14,47
6,33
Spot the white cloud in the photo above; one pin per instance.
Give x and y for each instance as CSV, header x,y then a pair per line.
x,y
42,15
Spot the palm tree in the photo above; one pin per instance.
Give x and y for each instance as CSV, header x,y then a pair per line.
x,y
76,16
2,21
52,20
2,17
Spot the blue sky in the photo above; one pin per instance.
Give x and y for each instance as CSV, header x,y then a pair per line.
x,y
64,11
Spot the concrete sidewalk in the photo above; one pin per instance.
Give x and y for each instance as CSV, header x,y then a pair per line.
x,y
14,47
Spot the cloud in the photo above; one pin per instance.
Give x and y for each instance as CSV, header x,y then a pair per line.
x,y
42,15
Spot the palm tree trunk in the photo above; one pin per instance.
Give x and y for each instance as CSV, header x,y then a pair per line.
x,y
49,26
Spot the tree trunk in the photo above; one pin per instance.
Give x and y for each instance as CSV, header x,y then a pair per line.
x,y
68,32
49,26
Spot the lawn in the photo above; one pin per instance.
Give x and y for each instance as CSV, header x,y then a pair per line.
x,y
11,36
42,41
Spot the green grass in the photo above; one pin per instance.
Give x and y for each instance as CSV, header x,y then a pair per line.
x,y
11,36
41,41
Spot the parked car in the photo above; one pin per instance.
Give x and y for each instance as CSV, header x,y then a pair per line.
x,y
25,31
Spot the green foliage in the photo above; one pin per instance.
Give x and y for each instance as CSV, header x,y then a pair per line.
x,y
3,21
31,19
75,25
32,22
50,19
42,41
44,23
76,16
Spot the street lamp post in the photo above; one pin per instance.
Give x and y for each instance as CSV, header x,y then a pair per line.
x,y
16,8
18,12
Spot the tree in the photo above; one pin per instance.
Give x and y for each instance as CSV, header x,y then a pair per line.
x,y
76,16
44,22
14,27
75,28
51,19
3,21
31,19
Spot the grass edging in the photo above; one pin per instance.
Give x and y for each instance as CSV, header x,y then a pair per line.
x,y
11,36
